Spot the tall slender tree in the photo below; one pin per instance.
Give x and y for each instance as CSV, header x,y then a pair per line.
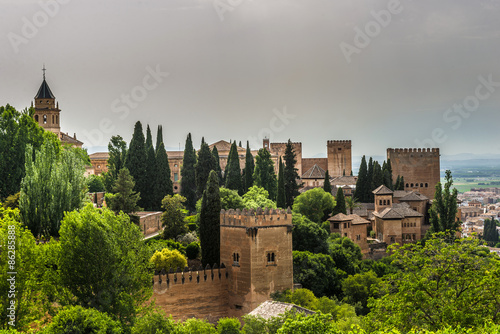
x,y
204,165
215,153
188,175
340,207
249,168
210,222
362,185
151,170
264,174
378,175
370,179
136,161
163,182
117,149
233,177
291,175
159,138
443,211
387,175
402,183
327,186
280,199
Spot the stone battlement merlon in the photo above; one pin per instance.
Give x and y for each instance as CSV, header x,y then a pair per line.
x,y
338,142
293,143
258,217
413,150
208,275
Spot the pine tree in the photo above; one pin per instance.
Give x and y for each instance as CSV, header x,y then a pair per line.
x,y
210,222
233,171
249,168
163,184
280,199
291,174
188,175
136,162
215,154
117,149
340,207
204,165
124,198
264,174
362,186
327,187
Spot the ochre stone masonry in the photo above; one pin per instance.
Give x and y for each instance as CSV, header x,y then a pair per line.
x,y
256,260
419,166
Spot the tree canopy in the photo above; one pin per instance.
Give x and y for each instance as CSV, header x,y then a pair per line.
x,y
315,204
264,175
443,212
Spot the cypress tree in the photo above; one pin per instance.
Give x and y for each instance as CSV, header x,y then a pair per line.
x,y
387,175
188,175
402,183
378,176
163,181
291,175
362,186
204,165
210,222
249,168
233,171
280,199
215,153
159,138
136,162
149,197
398,183
327,187
340,207
370,179
240,144
264,174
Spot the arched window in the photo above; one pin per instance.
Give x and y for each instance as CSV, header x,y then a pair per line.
x,y
421,185
388,202
385,202
426,185
236,259
57,119
44,119
412,185
380,202
53,119
36,118
407,185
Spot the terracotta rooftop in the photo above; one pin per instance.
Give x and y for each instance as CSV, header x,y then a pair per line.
x,y
315,172
340,217
344,180
223,145
99,156
383,190
414,196
269,309
65,138
398,211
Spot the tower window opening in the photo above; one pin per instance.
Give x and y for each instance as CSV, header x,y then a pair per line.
x,y
36,118
44,119
236,259
271,259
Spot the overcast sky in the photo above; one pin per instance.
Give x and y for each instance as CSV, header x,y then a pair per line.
x,y
242,69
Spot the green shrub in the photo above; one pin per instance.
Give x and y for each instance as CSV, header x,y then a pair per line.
x,y
79,320
193,250
228,326
155,322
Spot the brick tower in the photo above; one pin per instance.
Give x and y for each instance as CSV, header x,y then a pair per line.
x,y
339,157
256,247
46,110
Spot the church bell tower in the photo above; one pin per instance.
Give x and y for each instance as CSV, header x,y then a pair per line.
x,y
46,110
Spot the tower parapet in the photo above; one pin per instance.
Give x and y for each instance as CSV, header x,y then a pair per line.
x,y
254,218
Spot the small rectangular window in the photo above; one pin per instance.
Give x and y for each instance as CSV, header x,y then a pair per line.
x,y
176,177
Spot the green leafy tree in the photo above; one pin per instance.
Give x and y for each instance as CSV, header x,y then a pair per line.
x,y
215,154
362,185
327,187
95,183
136,163
204,165
351,203
264,175
340,207
233,171
195,326
17,130
308,236
229,199
315,204
359,288
345,253
163,185
210,222
228,326
188,175
124,198
79,320
257,197
249,169
316,272
54,183
104,262
19,254
173,216
440,283
490,233
154,322
280,199
291,175
443,211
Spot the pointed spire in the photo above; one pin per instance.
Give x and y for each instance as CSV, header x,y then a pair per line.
x,y
43,69
44,92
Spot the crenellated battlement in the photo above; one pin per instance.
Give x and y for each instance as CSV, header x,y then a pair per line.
x,y
329,142
413,150
258,217
163,280
279,144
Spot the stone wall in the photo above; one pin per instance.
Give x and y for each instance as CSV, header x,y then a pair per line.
x,y
420,168
150,222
